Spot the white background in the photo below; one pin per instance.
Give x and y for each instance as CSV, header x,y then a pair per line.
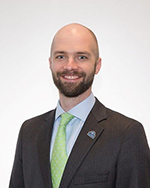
x,y
26,87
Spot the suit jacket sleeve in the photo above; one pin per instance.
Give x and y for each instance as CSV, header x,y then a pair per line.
x,y
133,167
16,180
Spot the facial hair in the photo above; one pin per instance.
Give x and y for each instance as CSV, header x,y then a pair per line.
x,y
70,89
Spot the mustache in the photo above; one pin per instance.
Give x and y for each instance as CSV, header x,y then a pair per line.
x,y
71,73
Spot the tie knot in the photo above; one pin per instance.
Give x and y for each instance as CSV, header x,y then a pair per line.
x,y
65,118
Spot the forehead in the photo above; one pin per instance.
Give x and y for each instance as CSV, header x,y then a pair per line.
x,y
73,41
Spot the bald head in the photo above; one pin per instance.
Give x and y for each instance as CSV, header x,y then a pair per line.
x,y
75,33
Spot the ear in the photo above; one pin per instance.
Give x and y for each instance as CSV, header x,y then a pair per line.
x,y
50,62
98,65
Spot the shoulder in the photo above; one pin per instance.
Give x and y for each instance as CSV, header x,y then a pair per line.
x,y
119,127
123,124
114,119
38,121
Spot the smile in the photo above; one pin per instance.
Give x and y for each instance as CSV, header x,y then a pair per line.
x,y
71,77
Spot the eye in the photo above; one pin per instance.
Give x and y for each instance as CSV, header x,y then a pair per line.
x,y
60,57
82,57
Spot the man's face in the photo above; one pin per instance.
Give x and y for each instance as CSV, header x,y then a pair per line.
x,y
73,63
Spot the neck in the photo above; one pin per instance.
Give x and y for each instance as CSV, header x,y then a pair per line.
x,y
69,102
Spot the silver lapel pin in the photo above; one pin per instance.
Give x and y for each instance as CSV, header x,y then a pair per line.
x,y
91,134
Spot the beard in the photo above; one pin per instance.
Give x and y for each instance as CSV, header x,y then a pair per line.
x,y
70,89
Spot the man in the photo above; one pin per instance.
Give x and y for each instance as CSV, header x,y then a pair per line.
x,y
99,148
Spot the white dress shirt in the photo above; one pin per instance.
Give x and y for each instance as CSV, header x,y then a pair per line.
x,y
73,128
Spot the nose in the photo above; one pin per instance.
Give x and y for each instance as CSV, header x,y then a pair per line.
x,y
70,64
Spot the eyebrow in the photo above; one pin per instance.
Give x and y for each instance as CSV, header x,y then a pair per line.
x,y
59,52
80,52
86,53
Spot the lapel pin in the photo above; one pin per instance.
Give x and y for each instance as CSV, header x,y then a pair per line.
x,y
91,134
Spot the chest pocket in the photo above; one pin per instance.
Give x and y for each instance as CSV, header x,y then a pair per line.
x,y
91,178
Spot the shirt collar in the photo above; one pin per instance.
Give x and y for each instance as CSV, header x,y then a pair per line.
x,y
77,110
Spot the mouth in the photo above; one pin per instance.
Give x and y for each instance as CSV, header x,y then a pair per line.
x,y
71,77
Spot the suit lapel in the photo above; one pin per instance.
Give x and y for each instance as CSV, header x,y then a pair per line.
x,y
84,143
44,149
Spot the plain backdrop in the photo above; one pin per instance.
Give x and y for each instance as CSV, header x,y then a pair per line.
x,y
26,87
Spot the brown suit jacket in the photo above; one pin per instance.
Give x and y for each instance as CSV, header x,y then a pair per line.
x,y
118,157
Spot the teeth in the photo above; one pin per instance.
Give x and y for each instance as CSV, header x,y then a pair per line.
x,y
71,77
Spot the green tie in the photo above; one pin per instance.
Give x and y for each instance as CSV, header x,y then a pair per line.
x,y
59,154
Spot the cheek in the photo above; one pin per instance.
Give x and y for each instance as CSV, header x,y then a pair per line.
x,y
54,67
89,69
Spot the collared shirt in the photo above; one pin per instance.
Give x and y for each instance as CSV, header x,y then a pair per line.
x,y
73,128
